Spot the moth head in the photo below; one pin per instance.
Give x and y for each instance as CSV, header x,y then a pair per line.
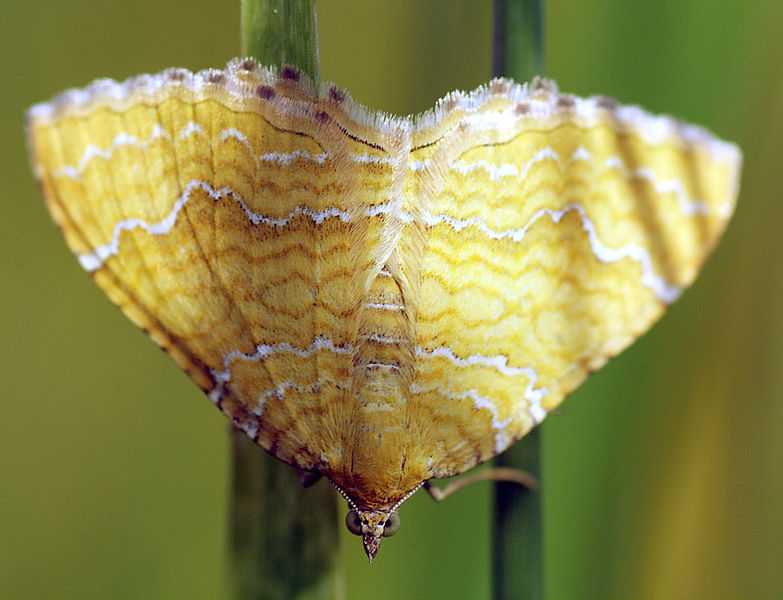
x,y
372,525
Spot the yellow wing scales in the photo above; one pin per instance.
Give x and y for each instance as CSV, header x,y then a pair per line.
x,y
556,240
381,300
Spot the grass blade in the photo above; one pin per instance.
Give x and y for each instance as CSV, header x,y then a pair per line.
x,y
517,551
283,538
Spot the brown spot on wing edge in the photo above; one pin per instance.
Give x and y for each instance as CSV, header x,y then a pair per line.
x,y
336,94
265,92
289,73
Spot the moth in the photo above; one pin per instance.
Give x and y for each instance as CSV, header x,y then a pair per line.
x,y
378,300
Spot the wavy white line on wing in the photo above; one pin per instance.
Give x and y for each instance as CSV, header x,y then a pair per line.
x,y
384,306
687,205
279,392
92,151
502,439
93,260
664,291
264,350
496,172
499,362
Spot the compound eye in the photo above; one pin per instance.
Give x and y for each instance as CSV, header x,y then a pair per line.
x,y
353,522
392,525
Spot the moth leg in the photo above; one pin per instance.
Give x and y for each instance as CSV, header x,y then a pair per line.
x,y
494,474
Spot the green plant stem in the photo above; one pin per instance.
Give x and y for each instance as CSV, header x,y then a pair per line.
x,y
517,548
517,561
280,32
518,44
284,538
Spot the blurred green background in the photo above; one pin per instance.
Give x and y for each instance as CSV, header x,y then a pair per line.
x,y
663,474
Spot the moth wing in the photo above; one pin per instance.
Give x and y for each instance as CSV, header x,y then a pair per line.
x,y
216,210
562,229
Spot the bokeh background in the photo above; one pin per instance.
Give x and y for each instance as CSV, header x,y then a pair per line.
x,y
663,474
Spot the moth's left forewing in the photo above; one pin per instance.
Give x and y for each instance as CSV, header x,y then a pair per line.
x,y
561,229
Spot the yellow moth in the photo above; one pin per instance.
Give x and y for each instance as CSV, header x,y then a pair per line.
x,y
380,300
